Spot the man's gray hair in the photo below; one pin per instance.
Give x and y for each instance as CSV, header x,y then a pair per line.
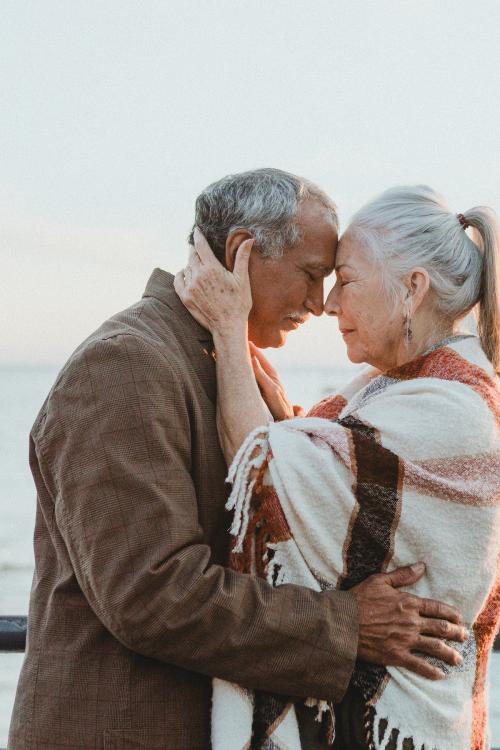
x,y
265,202
409,227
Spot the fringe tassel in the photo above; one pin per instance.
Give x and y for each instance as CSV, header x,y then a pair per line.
x,y
324,716
394,736
239,473
322,707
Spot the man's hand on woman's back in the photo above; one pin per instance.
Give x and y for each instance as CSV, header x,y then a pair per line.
x,y
396,628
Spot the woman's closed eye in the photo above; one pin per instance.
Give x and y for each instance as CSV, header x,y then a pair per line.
x,y
343,282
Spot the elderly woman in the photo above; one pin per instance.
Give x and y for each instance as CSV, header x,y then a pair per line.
x,y
402,464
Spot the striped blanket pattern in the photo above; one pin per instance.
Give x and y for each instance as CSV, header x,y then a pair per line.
x,y
397,467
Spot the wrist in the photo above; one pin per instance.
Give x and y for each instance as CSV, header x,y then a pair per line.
x,y
233,335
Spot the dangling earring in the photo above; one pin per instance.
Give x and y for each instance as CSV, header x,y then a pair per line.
x,y
407,329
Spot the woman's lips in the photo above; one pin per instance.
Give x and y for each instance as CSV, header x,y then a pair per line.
x,y
346,331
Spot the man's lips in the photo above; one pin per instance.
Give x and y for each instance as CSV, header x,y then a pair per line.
x,y
346,331
296,321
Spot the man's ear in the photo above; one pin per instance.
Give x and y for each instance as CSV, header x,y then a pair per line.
x,y
233,242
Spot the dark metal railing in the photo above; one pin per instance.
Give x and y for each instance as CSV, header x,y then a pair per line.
x,y
13,636
13,633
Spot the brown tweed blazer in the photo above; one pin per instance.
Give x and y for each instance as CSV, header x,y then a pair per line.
x,y
131,609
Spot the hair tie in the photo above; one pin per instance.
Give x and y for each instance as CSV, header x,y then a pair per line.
x,y
463,221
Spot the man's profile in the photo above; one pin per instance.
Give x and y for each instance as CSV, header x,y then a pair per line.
x,y
132,609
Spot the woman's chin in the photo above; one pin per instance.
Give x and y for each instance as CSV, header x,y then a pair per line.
x,y
354,356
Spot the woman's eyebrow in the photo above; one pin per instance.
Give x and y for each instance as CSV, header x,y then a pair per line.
x,y
344,265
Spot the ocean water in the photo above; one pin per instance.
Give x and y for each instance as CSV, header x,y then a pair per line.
x,y
22,391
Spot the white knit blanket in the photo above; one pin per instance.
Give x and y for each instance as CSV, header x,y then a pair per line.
x,y
396,468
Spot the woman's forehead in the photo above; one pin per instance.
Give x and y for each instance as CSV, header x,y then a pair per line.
x,y
351,252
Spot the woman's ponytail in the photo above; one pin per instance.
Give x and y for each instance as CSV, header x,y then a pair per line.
x,y
486,236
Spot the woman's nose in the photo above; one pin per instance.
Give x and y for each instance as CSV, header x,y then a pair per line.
x,y
332,306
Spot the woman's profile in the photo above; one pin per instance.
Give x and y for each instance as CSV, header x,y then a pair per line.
x,y
402,464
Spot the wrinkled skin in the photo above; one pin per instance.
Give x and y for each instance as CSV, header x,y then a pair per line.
x,y
287,290
393,625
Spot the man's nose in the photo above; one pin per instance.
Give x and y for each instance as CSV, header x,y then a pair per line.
x,y
314,302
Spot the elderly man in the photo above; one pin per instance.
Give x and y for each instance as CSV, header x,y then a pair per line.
x,y
132,610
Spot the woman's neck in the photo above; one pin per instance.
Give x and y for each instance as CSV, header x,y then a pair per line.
x,y
422,340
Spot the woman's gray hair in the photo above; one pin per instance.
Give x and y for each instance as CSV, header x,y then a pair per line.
x,y
264,202
408,227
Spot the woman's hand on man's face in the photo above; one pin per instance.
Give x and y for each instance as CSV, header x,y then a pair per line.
x,y
219,300
271,387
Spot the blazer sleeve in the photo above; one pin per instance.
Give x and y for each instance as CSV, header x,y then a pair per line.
x,y
116,456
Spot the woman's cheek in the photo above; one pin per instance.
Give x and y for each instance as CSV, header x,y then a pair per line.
x,y
349,303
366,318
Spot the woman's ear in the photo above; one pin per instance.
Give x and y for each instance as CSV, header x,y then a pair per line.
x,y
418,286
233,242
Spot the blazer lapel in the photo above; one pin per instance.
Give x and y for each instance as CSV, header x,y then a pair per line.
x,y
196,341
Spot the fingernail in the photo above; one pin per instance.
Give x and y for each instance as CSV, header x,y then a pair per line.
x,y
418,567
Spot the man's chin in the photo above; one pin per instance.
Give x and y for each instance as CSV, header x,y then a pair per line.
x,y
269,340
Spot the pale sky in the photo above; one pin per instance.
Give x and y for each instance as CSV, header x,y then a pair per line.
x,y
115,114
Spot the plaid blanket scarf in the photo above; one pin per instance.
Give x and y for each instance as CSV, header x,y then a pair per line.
x,y
396,468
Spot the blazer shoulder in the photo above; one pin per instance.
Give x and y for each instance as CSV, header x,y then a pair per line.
x,y
145,343
107,367
144,336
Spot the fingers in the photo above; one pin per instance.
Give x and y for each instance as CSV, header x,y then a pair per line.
x,y
420,666
443,629
439,610
257,369
242,258
439,649
202,248
261,376
405,576
179,283
265,364
298,411
194,258
254,350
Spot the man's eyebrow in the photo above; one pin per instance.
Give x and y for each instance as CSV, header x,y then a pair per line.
x,y
344,265
319,267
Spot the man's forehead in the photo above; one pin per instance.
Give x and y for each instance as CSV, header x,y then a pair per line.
x,y
314,210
